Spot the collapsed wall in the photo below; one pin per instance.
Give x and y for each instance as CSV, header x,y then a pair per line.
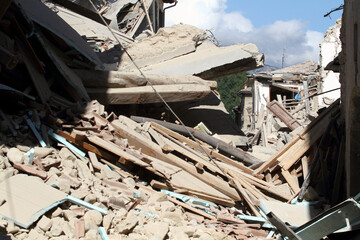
x,y
329,50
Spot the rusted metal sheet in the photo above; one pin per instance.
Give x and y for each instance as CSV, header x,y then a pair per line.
x,y
283,114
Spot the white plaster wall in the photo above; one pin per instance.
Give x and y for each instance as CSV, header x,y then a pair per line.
x,y
329,49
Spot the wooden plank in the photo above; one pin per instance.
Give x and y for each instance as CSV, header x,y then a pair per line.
x,y
283,114
94,161
321,120
264,136
306,95
152,149
262,185
216,143
260,119
159,140
111,147
195,210
186,152
291,181
146,94
206,196
195,145
252,189
203,147
117,169
200,212
247,198
278,97
305,166
147,16
87,146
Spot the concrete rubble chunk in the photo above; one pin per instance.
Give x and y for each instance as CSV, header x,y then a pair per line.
x,y
11,228
174,218
42,152
58,211
79,228
206,61
68,230
7,173
83,170
177,233
66,154
180,38
45,223
90,198
129,182
94,217
69,214
64,186
81,192
35,235
127,225
56,228
158,197
92,234
107,220
15,156
107,173
156,230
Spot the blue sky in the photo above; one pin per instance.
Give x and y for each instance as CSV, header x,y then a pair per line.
x,y
263,12
296,26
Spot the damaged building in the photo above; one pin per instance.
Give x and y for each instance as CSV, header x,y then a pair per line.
x,y
112,128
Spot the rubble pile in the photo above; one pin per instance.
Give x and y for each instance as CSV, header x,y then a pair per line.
x,y
134,210
72,169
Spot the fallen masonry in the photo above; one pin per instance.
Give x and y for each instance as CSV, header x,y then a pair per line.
x,y
88,151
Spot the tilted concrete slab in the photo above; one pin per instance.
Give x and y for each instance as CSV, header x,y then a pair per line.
x,y
210,61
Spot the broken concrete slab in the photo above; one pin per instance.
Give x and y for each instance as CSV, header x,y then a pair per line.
x,y
168,43
121,79
89,28
290,213
146,94
27,199
209,61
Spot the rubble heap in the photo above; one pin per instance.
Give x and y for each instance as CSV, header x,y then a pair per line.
x,y
69,168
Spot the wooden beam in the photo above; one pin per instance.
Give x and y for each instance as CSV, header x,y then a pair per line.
x,y
306,95
152,149
216,143
314,130
195,145
283,114
291,181
87,146
112,147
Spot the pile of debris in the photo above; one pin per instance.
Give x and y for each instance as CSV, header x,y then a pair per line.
x,y
70,193
71,169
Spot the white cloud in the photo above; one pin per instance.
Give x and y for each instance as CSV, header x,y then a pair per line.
x,y
232,27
